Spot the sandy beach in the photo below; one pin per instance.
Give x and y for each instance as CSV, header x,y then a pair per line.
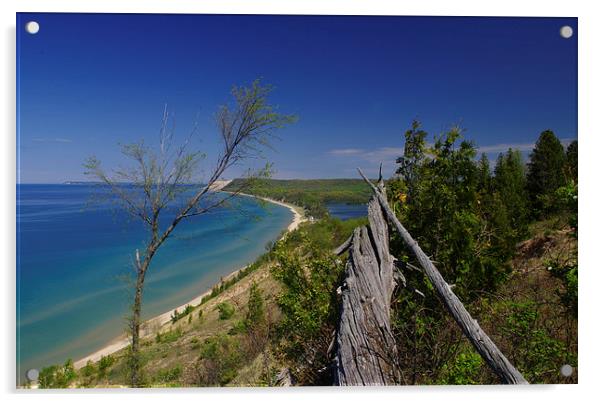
x,y
150,326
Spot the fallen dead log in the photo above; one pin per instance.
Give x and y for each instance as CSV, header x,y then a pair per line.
x,y
472,330
365,347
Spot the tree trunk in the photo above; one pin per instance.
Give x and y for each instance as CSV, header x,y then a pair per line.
x,y
482,343
366,351
134,358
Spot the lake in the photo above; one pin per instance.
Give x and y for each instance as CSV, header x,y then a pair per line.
x,y
347,211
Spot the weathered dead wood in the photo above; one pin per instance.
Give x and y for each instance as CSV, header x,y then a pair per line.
x,y
480,340
366,350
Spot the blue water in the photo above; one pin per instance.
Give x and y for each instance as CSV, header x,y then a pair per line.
x,y
347,211
74,265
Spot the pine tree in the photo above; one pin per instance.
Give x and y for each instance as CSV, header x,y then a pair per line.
x,y
413,155
484,174
571,161
255,316
545,172
510,182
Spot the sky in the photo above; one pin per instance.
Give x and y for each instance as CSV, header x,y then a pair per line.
x,y
87,83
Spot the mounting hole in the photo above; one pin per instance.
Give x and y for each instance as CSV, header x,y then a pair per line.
x,y
32,374
566,370
566,32
32,27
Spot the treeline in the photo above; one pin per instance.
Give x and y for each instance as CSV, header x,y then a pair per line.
x,y
469,216
312,195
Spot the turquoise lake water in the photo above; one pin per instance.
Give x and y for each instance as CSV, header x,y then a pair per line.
x,y
74,257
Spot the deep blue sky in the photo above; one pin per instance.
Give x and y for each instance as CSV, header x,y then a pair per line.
x,y
87,82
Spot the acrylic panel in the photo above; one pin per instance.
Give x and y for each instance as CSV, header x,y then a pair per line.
x,y
279,200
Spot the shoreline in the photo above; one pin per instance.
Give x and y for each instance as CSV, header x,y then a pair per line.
x,y
160,320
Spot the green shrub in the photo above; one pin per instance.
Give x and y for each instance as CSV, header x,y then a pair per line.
x,y
177,316
57,376
463,370
239,327
87,373
104,364
218,361
255,317
168,375
309,307
169,336
226,310
536,354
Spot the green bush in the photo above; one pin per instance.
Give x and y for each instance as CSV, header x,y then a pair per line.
x,y
168,375
104,364
255,317
219,359
226,310
536,354
87,373
309,306
57,376
463,370
169,336
177,316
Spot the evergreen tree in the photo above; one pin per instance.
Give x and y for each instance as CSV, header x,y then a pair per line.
x,y
510,182
255,317
448,218
545,172
571,161
484,174
413,155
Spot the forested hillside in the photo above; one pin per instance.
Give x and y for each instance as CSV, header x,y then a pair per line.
x,y
312,195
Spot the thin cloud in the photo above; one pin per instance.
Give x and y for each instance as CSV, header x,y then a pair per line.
x,y
369,160
346,151
374,155
383,154
58,140
525,146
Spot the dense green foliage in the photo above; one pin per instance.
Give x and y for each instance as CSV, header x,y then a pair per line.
x,y
571,161
57,376
312,195
458,213
219,358
469,220
226,310
169,336
546,173
177,315
565,267
255,317
310,274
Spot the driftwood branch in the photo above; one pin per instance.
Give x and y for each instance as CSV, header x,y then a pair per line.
x,y
480,340
343,247
366,350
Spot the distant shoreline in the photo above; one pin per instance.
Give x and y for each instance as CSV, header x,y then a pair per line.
x,y
160,320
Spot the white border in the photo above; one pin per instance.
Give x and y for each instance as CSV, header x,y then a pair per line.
x,y
590,132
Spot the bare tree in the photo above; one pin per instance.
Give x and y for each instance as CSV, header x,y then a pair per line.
x,y
164,179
